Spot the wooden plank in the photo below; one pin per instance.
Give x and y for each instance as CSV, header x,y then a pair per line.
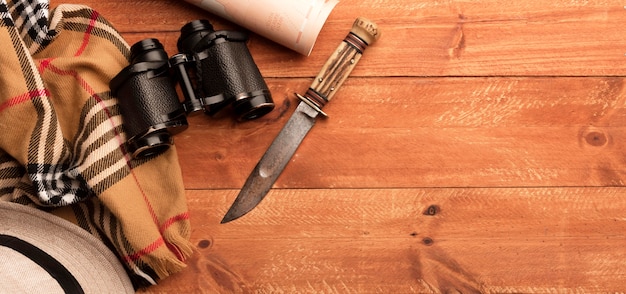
x,y
428,132
426,38
478,147
409,240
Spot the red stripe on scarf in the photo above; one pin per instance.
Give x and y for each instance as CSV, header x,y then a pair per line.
x,y
92,22
23,98
150,248
172,220
160,241
167,224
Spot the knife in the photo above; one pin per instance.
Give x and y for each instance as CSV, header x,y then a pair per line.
x,y
334,72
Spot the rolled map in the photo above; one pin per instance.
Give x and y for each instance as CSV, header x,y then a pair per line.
x,y
294,24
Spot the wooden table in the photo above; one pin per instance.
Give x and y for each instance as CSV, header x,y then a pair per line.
x,y
479,146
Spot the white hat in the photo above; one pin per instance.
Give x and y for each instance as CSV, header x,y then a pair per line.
x,y
43,253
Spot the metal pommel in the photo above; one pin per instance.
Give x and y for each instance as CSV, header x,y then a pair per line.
x,y
366,30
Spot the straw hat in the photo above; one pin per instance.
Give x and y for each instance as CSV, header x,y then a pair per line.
x,y
42,253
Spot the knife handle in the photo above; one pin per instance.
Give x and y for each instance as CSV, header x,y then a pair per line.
x,y
339,66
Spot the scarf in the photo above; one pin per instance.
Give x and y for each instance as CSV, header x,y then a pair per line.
x,y
62,138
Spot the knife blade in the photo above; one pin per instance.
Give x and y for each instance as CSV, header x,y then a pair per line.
x,y
332,75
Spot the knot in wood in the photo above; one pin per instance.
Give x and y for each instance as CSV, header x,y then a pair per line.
x,y
432,210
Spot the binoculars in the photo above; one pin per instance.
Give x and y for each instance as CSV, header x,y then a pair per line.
x,y
213,69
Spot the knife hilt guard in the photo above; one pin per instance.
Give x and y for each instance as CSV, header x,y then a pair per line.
x,y
339,66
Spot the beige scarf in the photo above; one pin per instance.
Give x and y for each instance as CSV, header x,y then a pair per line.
x,y
62,136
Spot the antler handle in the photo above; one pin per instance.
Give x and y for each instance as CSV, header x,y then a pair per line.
x,y
338,67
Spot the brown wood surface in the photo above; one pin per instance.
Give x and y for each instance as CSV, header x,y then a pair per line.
x,y
477,147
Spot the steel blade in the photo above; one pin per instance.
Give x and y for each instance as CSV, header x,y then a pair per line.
x,y
273,162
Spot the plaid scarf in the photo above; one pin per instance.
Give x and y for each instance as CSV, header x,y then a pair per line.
x,y
61,147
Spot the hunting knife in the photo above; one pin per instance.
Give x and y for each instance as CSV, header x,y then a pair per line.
x,y
334,72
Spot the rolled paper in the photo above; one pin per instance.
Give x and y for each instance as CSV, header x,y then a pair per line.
x,y
294,24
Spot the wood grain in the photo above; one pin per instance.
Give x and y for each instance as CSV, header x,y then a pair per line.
x,y
409,240
477,147
429,132
425,38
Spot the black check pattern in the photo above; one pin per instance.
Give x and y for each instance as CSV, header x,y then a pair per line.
x,y
5,15
31,19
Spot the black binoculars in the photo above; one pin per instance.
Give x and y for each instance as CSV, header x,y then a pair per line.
x,y
214,69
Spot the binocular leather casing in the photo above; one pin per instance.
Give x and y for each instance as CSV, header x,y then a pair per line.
x,y
213,70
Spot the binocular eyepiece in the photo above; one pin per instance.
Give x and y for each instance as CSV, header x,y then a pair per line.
x,y
214,69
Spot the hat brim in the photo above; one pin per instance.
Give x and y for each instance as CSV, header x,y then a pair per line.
x,y
43,253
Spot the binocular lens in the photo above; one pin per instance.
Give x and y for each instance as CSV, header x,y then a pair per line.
x,y
153,144
253,105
